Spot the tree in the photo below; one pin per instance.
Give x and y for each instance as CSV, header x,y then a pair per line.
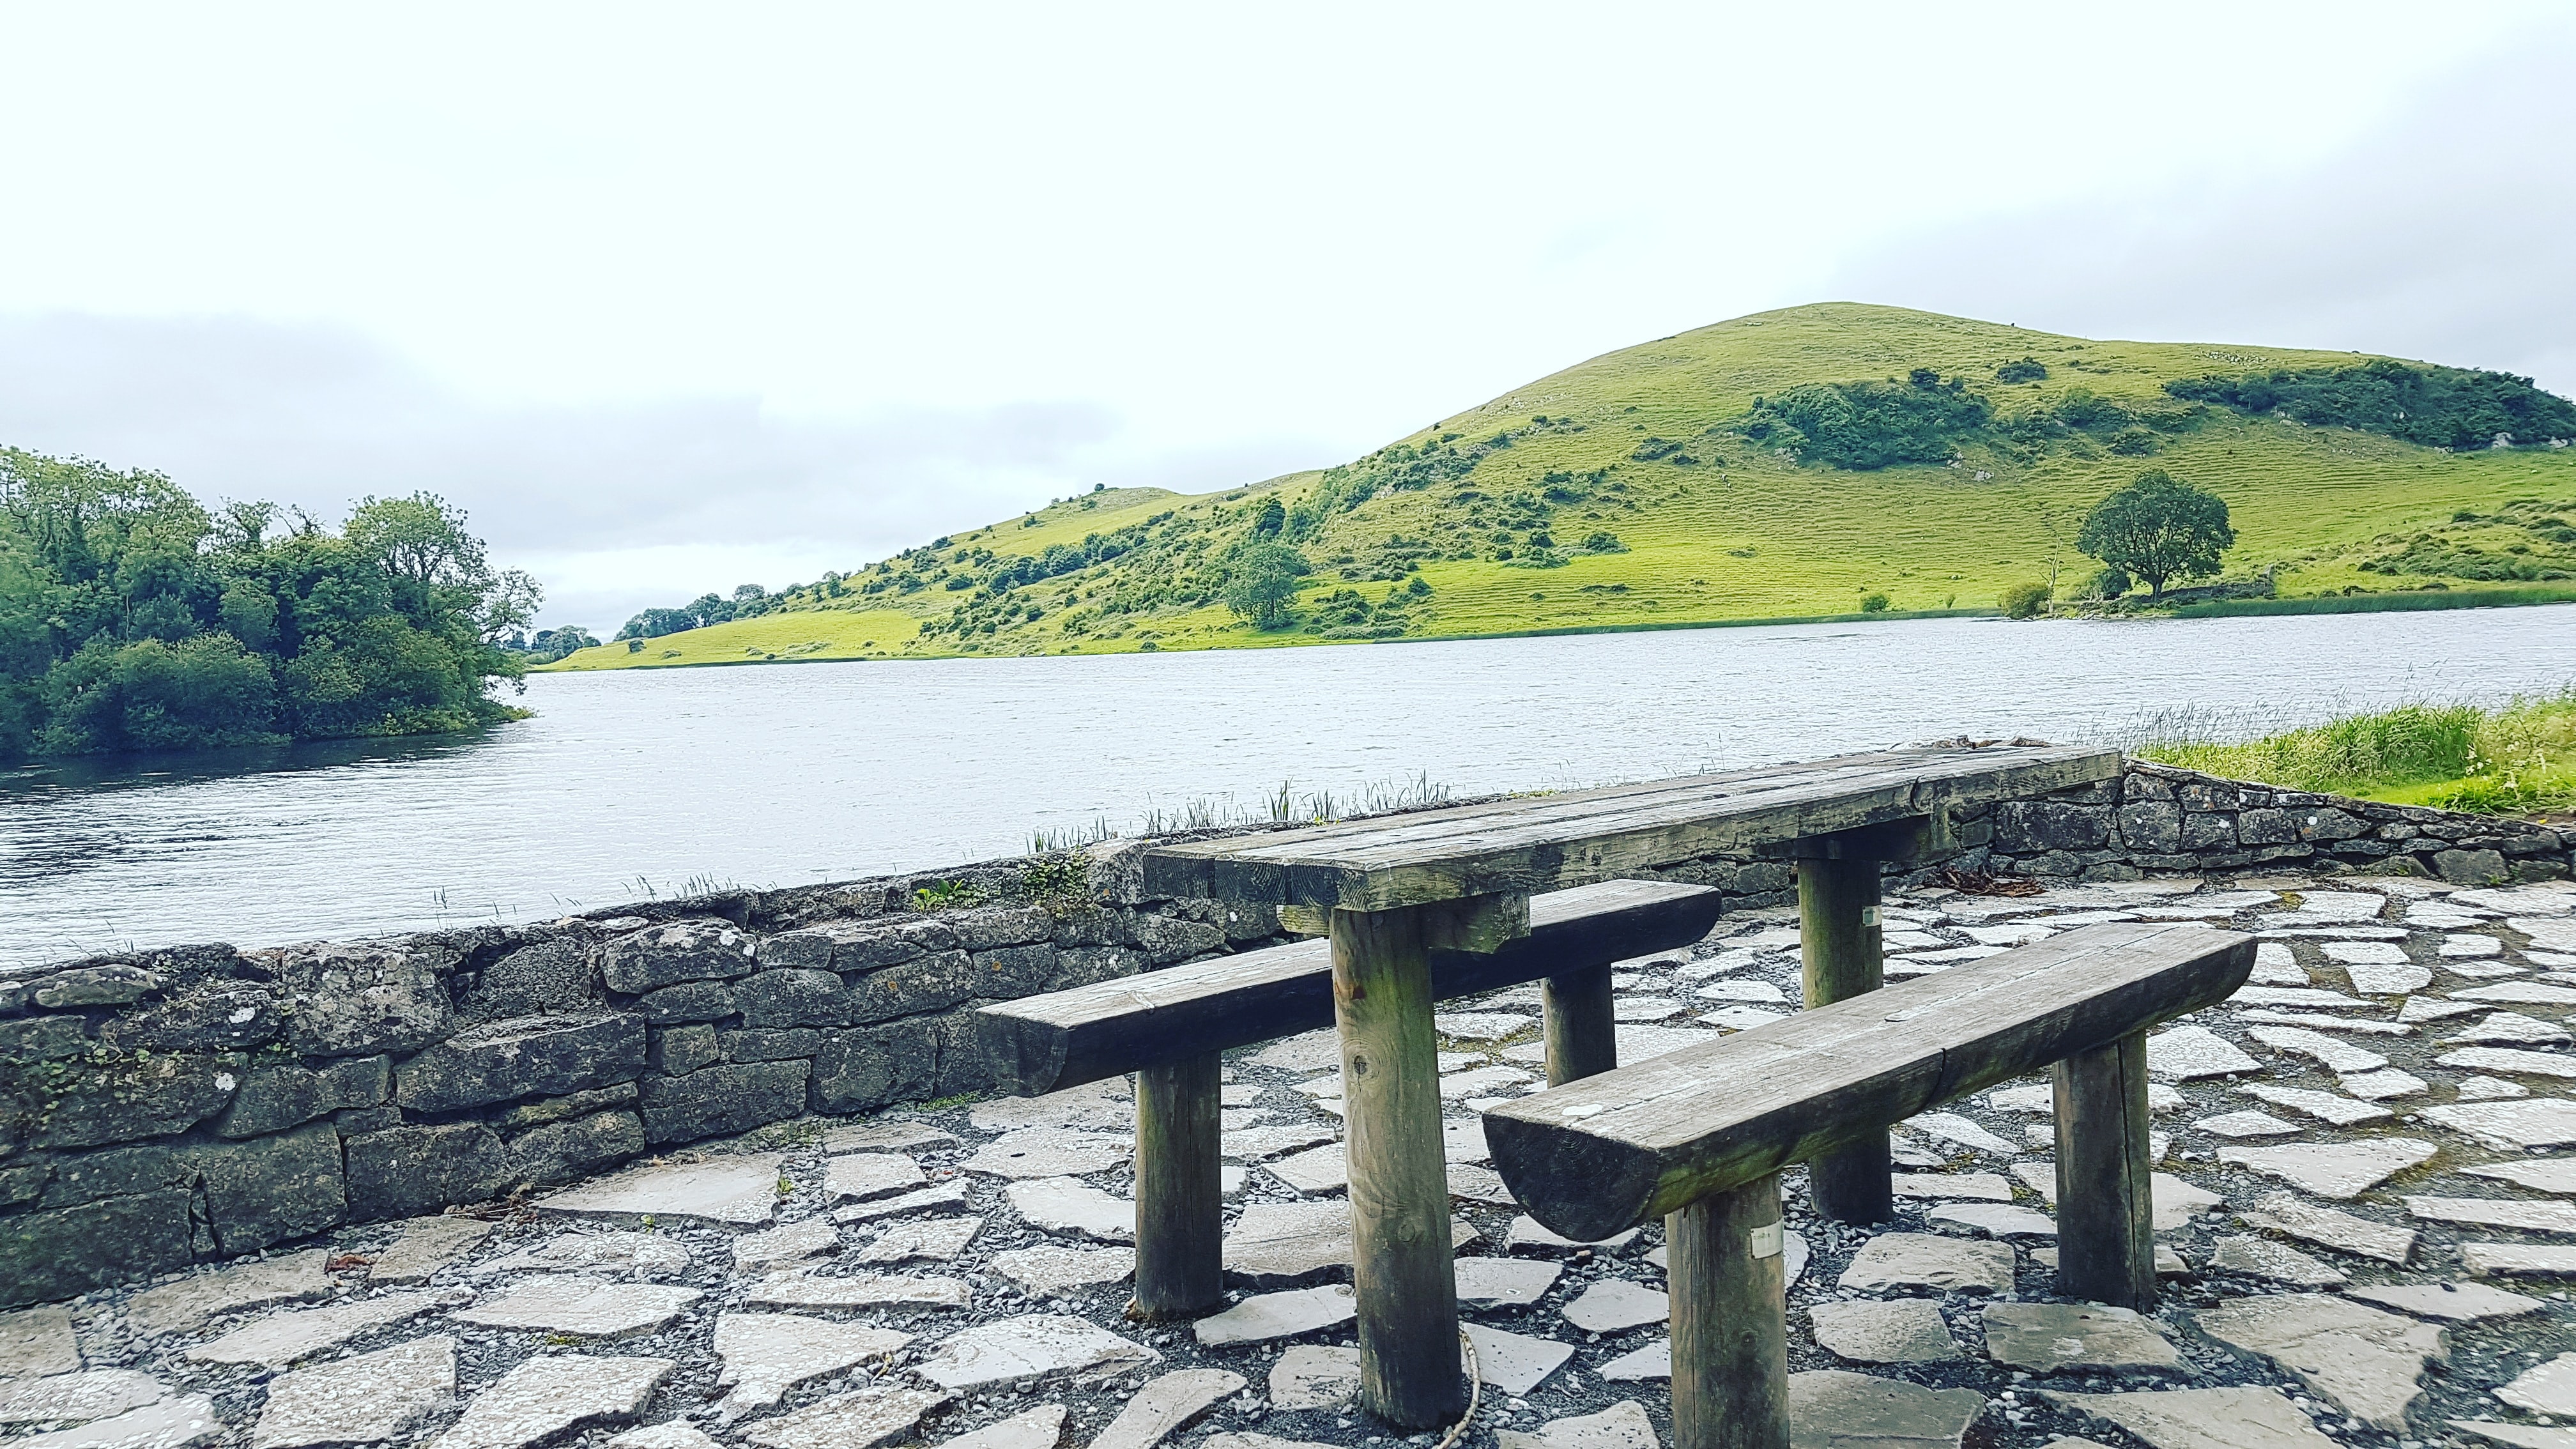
x,y
1262,581
2159,530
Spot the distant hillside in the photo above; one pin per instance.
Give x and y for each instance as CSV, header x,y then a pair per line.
x,y
1781,465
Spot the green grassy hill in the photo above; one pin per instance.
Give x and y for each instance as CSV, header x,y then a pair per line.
x,y
1630,491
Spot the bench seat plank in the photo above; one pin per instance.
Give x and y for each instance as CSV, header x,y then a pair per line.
x,y
1556,841
1066,1038
1606,1153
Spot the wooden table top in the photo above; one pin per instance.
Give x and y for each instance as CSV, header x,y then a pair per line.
x,y
1555,842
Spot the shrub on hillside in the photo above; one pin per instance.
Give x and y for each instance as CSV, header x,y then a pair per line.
x,y
2026,369
2439,407
1874,603
1869,425
2024,601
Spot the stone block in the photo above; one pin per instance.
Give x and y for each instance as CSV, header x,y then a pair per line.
x,y
859,1070
676,1051
539,980
2049,825
2137,785
793,996
992,927
1013,971
2208,830
354,1001
770,1046
409,1172
690,1001
112,1172
867,945
565,1108
273,1099
83,986
270,1189
47,1255
2154,825
933,982
723,1099
1166,939
701,950
1083,965
42,1039
2266,827
562,1151
2330,825
123,1099
219,1017
523,1057
2470,867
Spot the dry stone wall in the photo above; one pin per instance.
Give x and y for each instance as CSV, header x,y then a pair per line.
x,y
206,1102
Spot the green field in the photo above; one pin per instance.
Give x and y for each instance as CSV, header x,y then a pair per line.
x,y
1645,444
2519,759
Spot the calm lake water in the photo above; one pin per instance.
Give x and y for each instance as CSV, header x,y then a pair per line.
x,y
657,782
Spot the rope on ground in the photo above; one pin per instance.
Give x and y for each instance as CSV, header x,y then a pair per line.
x,y
1475,1393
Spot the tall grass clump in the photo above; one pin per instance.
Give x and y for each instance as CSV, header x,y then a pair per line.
x,y
2516,758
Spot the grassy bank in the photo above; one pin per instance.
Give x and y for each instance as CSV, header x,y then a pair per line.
x,y
2517,759
2381,603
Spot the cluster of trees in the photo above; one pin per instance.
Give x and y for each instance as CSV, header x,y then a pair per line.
x,y
2438,407
2156,530
1871,425
749,601
132,618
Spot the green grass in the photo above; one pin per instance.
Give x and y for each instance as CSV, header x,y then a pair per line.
x,y
1744,535
2380,603
2516,759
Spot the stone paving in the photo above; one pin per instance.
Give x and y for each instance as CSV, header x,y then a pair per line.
x,y
2366,1166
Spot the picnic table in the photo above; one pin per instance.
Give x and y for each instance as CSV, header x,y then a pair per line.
x,y
1393,892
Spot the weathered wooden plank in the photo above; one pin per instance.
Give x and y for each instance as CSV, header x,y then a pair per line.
x,y
1594,1157
1066,1038
2106,1243
1401,1269
1730,1320
1180,1198
1839,947
1564,840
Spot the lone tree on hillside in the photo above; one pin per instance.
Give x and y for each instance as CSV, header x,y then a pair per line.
x,y
2159,530
1261,582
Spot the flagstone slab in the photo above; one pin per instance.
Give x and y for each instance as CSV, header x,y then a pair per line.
x,y
1470,1183
2455,1302
1951,1186
579,1306
2332,1053
1049,1152
936,1240
1037,1428
1506,1282
2259,1258
2546,1174
1312,1376
364,1399
2239,1418
1994,1219
77,1398
2240,1125
2510,1028
1027,1347
2488,1089
2324,1106
1953,1128
1318,1169
2284,1213
2189,1053
1526,1232
855,1420
886,1135
2517,1260
1265,1316
1515,1363
1926,1260
863,1175
191,1301
1063,1205
2052,1338
766,1354
2385,1085
2544,1388
2320,1021
2517,1436
36,1342
1105,1105
1049,1270
1169,1402
1839,1409
1899,1330
2534,1122
283,1338
1255,1144
1313,1051
856,1291
1615,1305
427,1246
794,1243
551,1393
1654,1361
2519,993
2169,1264
2510,1060
1481,1025
939,1197
646,1255
740,1191
1624,1425
168,1424
2488,1212
2363,1360
1290,1240
2339,1170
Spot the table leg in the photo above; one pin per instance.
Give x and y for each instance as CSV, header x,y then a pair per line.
x,y
2106,1236
1839,940
1582,1038
1730,1320
1402,1271
1180,1205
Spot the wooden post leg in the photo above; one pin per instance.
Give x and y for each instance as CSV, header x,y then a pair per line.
x,y
1730,1320
2106,1237
1581,1037
1839,940
1180,1204
1402,1271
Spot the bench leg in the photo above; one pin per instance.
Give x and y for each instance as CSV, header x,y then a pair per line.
x,y
1839,942
1730,1320
1582,1040
1180,1204
1402,1270
2106,1241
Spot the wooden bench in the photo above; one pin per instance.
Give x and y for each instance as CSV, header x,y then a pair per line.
x,y
1699,1136
1392,889
1169,1026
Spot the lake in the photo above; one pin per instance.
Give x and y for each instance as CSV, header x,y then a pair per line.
x,y
645,782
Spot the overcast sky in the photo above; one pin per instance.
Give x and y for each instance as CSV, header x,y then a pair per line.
x,y
674,298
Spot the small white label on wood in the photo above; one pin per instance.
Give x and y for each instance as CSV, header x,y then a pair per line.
x,y
1869,915
1765,1241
